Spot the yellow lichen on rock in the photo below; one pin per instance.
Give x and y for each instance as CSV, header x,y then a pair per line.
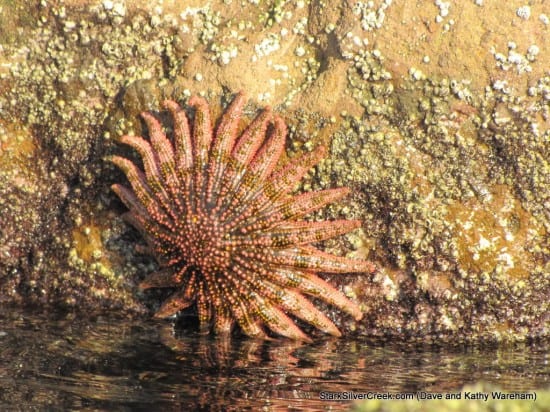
x,y
492,236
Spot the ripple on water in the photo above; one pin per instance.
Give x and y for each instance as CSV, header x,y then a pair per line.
x,y
65,362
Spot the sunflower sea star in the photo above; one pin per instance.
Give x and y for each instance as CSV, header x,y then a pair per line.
x,y
226,230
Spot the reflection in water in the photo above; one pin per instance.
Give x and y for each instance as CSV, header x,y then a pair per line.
x,y
68,363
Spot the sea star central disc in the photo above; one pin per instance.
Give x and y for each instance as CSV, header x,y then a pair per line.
x,y
204,246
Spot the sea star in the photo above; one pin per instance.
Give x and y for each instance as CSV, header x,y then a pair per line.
x,y
221,220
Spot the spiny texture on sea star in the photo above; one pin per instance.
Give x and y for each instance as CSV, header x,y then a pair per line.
x,y
221,220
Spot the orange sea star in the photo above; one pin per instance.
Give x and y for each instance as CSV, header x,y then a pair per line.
x,y
226,230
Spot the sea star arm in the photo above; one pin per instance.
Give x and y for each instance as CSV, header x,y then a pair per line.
x,y
289,208
297,233
141,188
223,322
182,136
245,148
286,179
152,166
164,151
269,154
148,157
202,133
313,285
226,134
296,207
304,281
302,308
131,201
307,257
261,303
251,139
278,321
277,186
180,299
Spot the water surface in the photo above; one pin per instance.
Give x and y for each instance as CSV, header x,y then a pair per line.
x,y
66,362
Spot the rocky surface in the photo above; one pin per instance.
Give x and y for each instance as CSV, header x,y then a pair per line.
x,y
437,118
